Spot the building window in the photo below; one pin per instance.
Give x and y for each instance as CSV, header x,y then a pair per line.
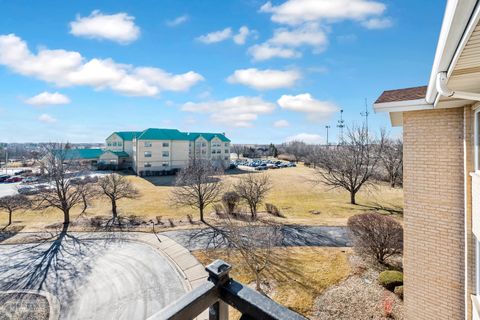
x,y
226,144
165,164
204,144
226,150
109,144
165,154
147,154
214,151
119,144
147,165
114,144
226,158
204,152
165,144
147,144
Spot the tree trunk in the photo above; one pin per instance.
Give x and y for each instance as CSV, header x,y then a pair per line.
x,y
9,218
201,214
258,287
66,217
85,204
352,197
114,210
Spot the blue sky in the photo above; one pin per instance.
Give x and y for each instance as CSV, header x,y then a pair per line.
x,y
260,71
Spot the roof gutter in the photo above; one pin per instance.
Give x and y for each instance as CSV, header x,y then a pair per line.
x,y
444,90
453,30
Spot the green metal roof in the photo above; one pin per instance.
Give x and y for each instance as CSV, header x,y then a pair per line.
x,y
162,134
82,153
207,135
168,134
121,154
128,135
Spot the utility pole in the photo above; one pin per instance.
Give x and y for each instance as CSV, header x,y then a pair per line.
x,y
327,127
365,114
341,125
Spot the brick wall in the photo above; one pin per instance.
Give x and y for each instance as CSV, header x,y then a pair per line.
x,y
434,214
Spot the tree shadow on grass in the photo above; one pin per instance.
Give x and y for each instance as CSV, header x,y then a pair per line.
x,y
10,232
388,208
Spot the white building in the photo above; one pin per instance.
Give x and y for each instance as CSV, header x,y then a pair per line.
x,y
153,151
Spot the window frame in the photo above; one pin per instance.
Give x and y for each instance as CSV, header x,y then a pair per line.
x,y
147,152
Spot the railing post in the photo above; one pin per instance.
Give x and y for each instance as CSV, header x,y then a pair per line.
x,y
218,274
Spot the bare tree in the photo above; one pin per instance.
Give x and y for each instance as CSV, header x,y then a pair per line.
x,y
376,236
298,149
88,190
197,186
350,165
253,240
230,202
58,166
392,161
13,203
117,187
237,149
253,188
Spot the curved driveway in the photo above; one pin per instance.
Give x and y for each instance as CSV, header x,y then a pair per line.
x,y
94,279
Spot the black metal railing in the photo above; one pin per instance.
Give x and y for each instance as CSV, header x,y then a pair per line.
x,y
220,291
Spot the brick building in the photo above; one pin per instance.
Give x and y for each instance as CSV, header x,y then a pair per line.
x,y
441,131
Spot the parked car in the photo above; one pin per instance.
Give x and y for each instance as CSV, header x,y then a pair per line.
x,y
30,180
4,177
28,191
14,179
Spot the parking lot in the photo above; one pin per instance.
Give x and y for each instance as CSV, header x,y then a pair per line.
x,y
258,164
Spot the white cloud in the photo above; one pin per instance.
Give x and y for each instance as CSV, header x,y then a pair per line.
x,y
265,79
316,109
266,51
221,35
242,35
309,34
47,98
46,118
216,36
119,27
238,111
177,21
309,138
295,12
69,68
281,124
378,23
285,41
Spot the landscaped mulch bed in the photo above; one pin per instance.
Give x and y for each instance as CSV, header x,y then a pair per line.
x,y
23,306
358,297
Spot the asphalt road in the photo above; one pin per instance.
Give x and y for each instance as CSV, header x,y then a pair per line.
x,y
291,236
93,279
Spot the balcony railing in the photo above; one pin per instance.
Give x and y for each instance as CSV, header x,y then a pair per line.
x,y
220,291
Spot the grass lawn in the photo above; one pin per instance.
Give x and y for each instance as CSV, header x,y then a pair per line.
x,y
296,275
293,192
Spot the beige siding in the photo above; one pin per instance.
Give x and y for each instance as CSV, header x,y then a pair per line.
x,y
434,214
114,142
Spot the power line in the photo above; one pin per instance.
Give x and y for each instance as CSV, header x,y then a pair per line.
x,y
327,127
365,114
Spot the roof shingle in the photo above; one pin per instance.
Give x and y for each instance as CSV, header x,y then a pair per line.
x,y
413,93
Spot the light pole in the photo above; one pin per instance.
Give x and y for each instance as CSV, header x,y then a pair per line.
x,y
341,125
327,127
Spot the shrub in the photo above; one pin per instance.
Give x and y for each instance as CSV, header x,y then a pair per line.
x,y
390,279
230,201
399,291
172,224
273,210
190,219
159,219
376,236
218,209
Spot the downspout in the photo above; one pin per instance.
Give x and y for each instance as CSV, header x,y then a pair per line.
x,y
444,90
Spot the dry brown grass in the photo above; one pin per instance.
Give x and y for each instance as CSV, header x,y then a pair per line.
x,y
296,276
293,192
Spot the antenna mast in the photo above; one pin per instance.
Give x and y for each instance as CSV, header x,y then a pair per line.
x,y
341,125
